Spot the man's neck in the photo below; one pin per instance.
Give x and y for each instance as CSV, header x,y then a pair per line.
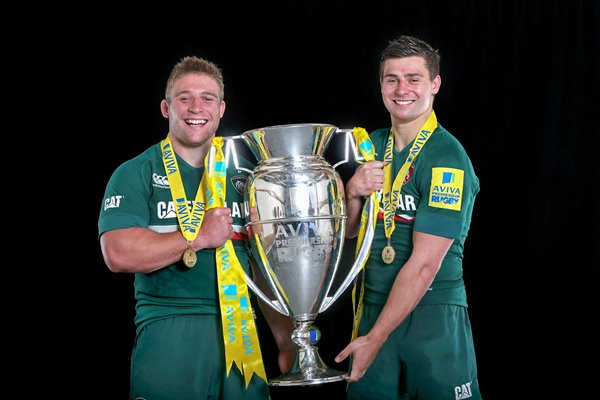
x,y
406,131
193,155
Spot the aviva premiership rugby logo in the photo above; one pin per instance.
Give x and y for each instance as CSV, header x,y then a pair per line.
x,y
446,188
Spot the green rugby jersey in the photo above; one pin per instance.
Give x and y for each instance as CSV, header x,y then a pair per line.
x,y
138,194
436,198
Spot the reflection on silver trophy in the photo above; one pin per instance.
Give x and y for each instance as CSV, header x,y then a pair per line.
x,y
296,226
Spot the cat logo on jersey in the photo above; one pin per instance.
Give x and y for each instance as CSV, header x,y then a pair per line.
x,y
446,188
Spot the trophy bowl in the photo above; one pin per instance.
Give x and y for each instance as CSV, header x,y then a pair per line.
x,y
296,226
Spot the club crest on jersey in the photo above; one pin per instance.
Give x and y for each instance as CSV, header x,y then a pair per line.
x,y
409,174
239,182
446,188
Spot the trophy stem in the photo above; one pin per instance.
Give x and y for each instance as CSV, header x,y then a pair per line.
x,y
308,367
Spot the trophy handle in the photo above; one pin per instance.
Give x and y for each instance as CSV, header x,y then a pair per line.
x,y
230,151
231,154
350,146
274,304
368,238
362,255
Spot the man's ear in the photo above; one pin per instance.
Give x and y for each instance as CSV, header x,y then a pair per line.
x,y
164,108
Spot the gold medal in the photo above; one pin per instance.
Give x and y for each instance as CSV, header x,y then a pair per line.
x,y
388,254
189,257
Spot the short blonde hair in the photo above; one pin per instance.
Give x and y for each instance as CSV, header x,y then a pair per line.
x,y
195,65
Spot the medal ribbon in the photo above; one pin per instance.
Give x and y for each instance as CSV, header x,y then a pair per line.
x,y
389,191
189,220
239,330
367,150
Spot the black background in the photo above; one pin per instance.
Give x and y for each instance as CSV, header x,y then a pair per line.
x,y
519,90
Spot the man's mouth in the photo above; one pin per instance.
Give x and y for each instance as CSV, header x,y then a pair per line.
x,y
196,121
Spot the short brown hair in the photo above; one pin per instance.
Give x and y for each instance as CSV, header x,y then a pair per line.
x,y
408,46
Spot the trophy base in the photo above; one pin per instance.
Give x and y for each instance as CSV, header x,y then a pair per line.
x,y
308,368
315,377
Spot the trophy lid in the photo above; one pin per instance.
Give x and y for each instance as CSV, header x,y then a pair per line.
x,y
289,140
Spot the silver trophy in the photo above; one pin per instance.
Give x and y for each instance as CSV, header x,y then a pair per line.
x,y
296,226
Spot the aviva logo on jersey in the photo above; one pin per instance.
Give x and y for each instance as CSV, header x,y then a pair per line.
x,y
446,188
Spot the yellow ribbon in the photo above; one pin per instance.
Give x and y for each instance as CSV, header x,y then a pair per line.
x,y
391,192
189,220
367,150
239,330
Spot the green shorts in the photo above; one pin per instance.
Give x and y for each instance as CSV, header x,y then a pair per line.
x,y
182,358
430,356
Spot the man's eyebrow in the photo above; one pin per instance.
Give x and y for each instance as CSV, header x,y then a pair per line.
x,y
407,75
203,93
